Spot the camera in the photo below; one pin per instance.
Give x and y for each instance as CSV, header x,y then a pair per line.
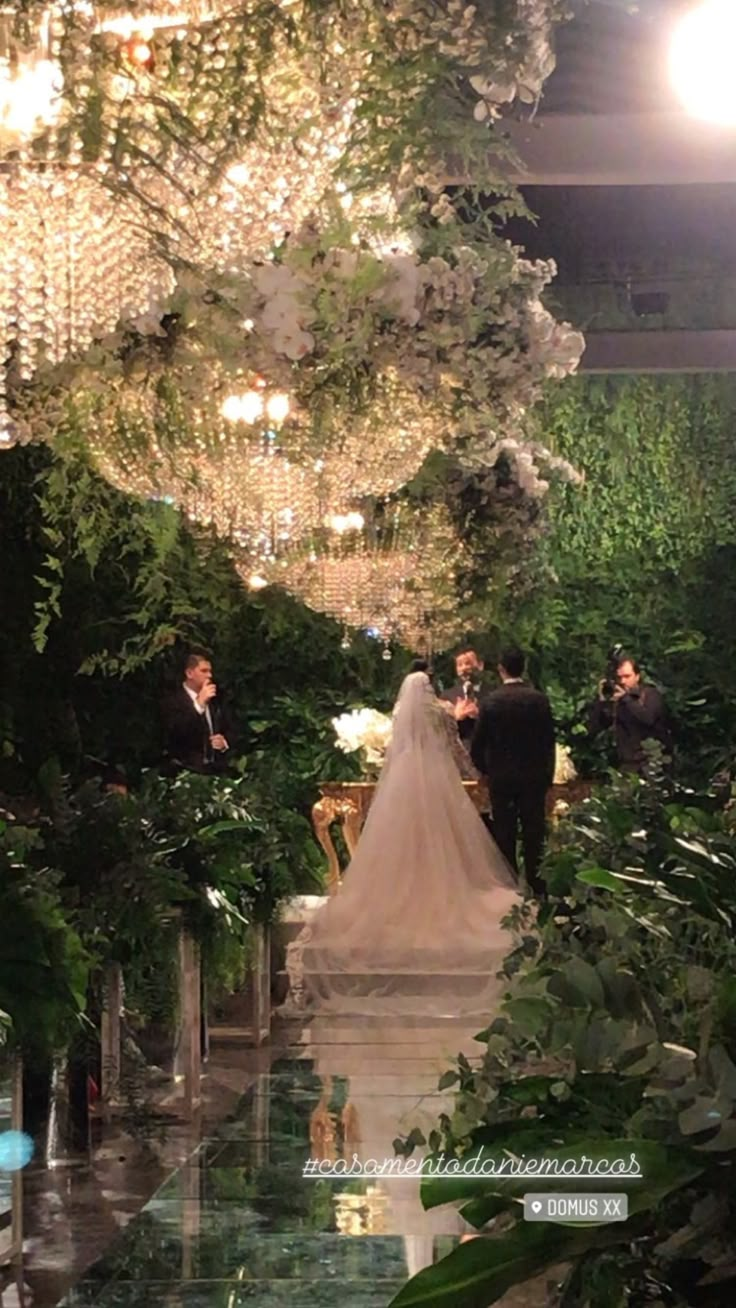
x,y
610,681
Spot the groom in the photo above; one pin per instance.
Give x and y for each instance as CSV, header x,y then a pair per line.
x,y
514,748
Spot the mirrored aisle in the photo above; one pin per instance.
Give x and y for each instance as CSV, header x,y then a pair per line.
x,y
240,1224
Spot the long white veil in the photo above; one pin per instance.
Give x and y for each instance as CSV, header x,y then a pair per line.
x,y
415,927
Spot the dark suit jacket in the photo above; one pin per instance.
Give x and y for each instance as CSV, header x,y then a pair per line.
x,y
466,727
187,733
638,716
514,742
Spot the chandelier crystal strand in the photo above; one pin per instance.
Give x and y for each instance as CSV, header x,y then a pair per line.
x,y
245,488
395,579
73,263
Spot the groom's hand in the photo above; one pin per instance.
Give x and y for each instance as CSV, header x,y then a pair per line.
x,y
207,693
219,743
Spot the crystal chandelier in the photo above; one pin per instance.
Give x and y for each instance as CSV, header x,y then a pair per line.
x,y
30,83
247,490
91,234
394,578
376,453
72,265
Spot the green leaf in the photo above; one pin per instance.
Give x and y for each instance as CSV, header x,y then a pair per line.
x,y
447,1079
529,1014
577,984
601,878
480,1271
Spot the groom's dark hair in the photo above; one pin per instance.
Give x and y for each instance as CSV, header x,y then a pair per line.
x,y
513,661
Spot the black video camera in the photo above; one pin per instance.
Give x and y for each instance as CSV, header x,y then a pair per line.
x,y
610,681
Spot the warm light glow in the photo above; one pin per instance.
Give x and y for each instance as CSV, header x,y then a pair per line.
x,y
278,406
29,95
231,408
243,408
702,61
342,522
257,582
141,52
127,25
251,406
238,175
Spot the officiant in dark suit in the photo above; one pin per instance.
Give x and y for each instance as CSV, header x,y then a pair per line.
x,y
199,734
514,748
467,694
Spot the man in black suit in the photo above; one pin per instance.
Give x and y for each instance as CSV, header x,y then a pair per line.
x,y
467,694
636,712
198,734
514,748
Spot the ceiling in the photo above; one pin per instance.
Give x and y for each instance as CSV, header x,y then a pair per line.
x,y
612,59
608,115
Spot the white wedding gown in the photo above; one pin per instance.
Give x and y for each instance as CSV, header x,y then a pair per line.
x,y
416,926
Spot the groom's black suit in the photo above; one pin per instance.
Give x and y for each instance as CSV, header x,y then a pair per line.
x,y
514,747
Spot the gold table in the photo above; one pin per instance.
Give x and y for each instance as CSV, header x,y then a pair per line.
x,y
348,802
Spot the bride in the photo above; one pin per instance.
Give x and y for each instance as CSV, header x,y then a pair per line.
x,y
416,926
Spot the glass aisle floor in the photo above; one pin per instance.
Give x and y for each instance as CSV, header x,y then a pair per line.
x,y
239,1225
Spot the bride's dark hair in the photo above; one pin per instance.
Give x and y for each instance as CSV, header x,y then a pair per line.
x,y
420,665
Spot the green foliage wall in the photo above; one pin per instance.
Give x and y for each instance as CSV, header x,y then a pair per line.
x,y
644,553
101,595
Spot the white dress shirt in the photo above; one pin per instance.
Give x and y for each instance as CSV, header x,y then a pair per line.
x,y
202,709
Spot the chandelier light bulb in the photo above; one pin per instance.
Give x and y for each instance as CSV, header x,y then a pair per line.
x,y
342,522
278,406
8,437
29,95
257,582
231,408
702,56
251,406
238,175
140,52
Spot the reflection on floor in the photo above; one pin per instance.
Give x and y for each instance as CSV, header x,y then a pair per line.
x,y
240,1225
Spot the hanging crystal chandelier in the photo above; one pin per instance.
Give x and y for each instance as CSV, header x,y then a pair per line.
x,y
375,453
394,577
72,266
244,488
90,233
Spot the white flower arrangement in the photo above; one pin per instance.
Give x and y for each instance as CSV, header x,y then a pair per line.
x,y
565,769
366,731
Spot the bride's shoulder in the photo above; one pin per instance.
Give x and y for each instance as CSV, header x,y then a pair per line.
x,y
441,713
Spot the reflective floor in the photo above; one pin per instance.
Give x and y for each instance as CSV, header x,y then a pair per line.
x,y
239,1223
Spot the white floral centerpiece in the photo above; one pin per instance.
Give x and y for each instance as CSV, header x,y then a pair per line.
x,y
364,731
565,769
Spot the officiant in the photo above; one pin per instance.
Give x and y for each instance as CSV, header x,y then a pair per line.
x,y
467,694
197,727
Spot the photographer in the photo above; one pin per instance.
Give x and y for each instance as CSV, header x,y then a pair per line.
x,y
635,711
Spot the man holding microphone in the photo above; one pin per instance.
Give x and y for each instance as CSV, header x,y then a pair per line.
x,y
198,736
466,693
